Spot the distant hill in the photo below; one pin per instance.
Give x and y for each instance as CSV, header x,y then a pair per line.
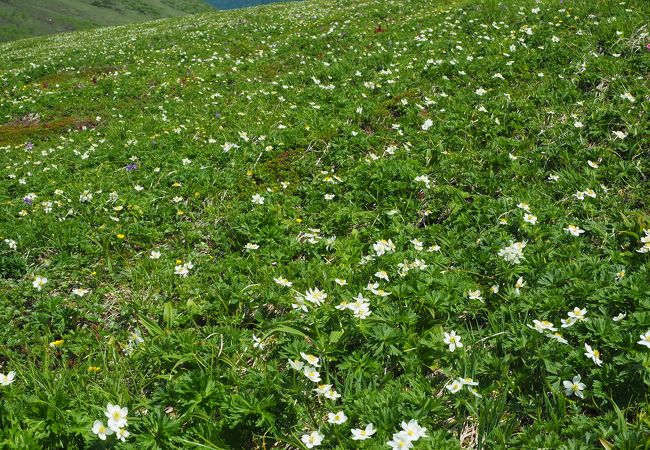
x,y
232,4
25,18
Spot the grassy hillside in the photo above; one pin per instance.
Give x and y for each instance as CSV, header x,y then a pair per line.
x,y
26,18
272,227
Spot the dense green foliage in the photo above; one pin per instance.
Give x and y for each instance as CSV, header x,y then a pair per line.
x,y
26,18
433,167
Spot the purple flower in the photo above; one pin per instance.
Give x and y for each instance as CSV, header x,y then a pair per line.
x,y
130,167
27,200
29,146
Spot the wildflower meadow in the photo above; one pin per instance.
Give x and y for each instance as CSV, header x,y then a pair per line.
x,y
330,224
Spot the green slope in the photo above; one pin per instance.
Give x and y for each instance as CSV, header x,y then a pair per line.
x,y
25,18
475,167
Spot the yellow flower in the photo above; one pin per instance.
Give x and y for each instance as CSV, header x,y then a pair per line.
x,y
176,184
298,220
120,236
178,261
180,213
249,173
55,344
94,369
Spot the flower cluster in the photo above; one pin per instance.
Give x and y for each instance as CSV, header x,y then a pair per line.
x,y
117,423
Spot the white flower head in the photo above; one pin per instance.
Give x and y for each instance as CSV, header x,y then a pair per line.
x,y
645,339
312,439
337,418
101,430
574,230
593,354
414,430
117,416
361,434
400,441
513,253
452,340
39,282
6,380
574,387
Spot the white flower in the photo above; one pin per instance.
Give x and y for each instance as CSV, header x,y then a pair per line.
x,y
11,243
183,269
322,389
80,292
283,282
250,246
577,314
329,196
122,434
531,219
296,364
418,245
101,430
6,380
340,281
228,146
424,179
258,343
414,430
628,96
154,254
311,359
574,387
116,416
574,230
360,308
619,317
39,282
382,246
337,418
558,337
361,434
620,134
480,91
427,124
299,303
311,373
568,322
475,295
513,253
312,439
382,274
85,196
518,285
452,340
542,325
454,386
332,394
257,199
524,206
400,440
593,354
315,296
645,339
